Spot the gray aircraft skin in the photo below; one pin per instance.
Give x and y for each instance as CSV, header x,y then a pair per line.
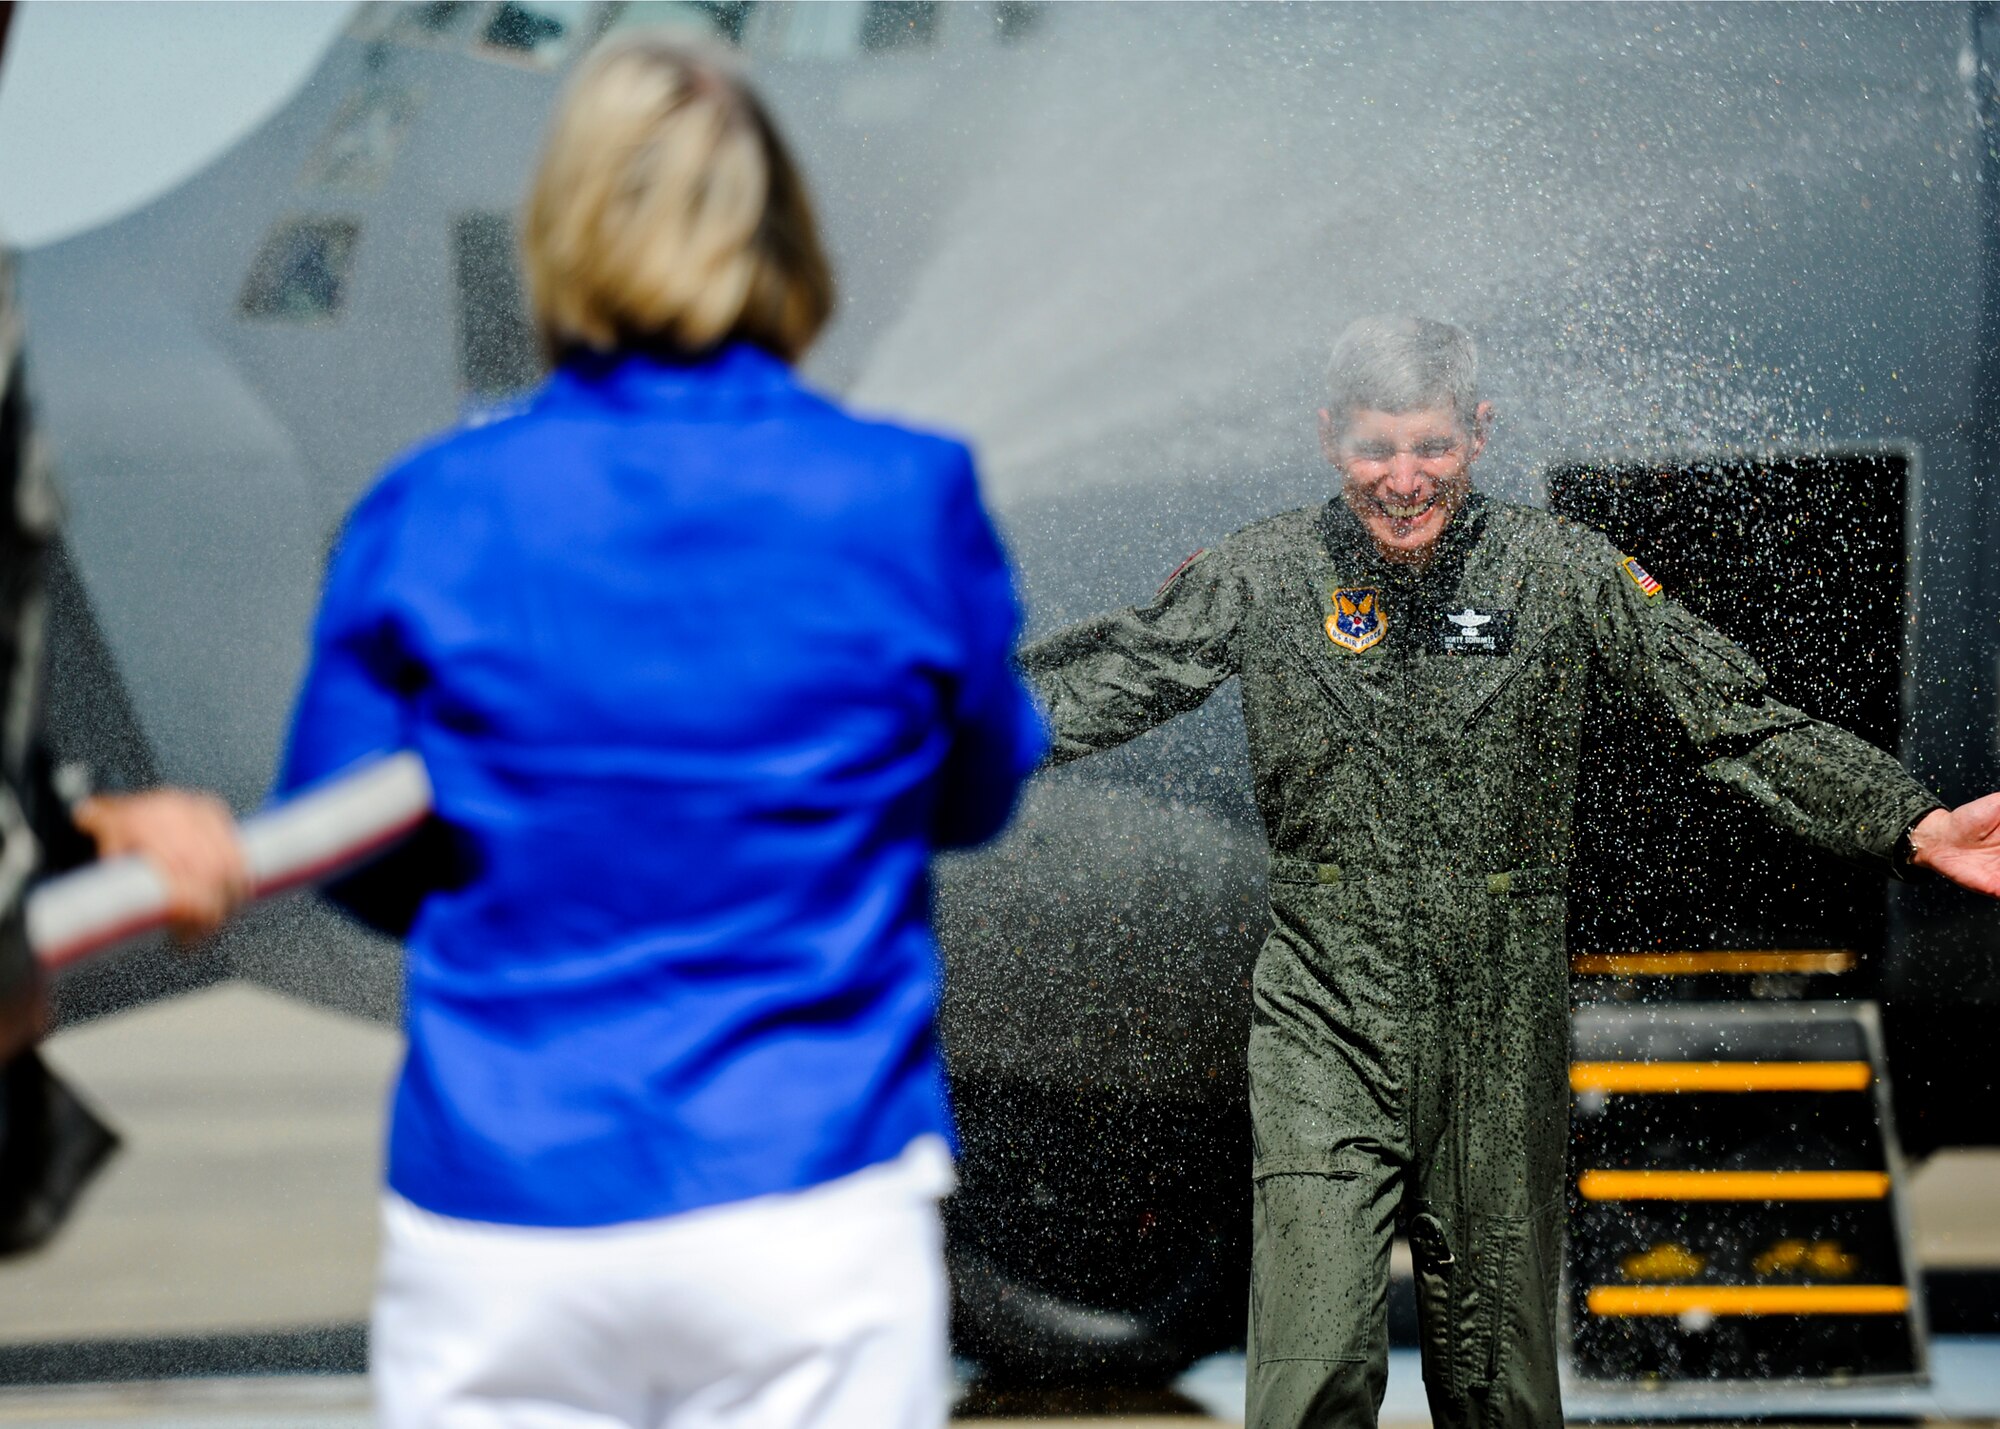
x,y
1108,244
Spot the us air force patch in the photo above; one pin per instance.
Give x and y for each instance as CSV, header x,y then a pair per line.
x,y
1476,632
1356,623
1630,565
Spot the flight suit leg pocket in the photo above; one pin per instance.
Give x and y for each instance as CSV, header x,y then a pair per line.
x,y
1438,1277
1496,1274
1312,1267
1467,1285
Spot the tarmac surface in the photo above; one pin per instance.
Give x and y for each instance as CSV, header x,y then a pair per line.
x,y
1965,1390
311,1404
244,1196
244,1200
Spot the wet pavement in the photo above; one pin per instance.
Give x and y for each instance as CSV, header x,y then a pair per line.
x,y
244,1196
243,1205
333,1403
1965,1390
339,1402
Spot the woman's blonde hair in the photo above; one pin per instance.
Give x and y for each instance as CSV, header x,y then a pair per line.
x,y
667,214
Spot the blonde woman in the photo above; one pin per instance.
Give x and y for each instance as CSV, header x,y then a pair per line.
x,y
704,669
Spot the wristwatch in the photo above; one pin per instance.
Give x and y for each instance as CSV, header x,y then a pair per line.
x,y
1902,856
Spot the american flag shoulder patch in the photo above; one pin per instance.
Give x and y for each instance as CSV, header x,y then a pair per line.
x,y
1637,572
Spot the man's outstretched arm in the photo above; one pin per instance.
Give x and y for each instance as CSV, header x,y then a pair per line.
x,y
1108,679
997,739
1810,778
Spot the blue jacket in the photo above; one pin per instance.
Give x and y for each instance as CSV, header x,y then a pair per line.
x,y
703,669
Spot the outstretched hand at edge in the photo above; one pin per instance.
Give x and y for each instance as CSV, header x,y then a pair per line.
x,y
1961,844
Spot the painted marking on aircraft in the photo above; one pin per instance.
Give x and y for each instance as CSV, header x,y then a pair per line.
x,y
1625,1300
1637,1077
1734,1185
1684,964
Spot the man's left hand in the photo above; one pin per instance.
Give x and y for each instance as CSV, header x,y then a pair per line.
x,y
1961,844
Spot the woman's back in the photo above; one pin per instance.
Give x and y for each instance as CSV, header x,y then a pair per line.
x,y
701,667
703,670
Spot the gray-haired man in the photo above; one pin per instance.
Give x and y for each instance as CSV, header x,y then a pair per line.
x,y
1416,661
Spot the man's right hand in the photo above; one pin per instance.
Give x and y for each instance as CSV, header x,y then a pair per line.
x,y
189,838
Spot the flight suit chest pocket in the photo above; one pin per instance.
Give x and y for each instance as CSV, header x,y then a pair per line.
x,y
1346,687
1312,1294
1479,683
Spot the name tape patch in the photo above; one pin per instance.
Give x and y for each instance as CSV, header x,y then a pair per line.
x,y
1476,632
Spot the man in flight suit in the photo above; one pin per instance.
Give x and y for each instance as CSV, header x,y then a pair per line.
x,y
50,1143
1416,661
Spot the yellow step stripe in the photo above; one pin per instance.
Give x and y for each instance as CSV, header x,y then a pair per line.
x,y
1719,1076
1611,1300
1765,960
1734,1185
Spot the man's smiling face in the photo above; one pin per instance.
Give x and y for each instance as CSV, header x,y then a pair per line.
x,y
1405,474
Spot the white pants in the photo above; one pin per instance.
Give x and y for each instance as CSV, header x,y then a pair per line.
x,y
820,1309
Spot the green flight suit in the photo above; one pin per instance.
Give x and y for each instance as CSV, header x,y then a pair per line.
x,y
1416,768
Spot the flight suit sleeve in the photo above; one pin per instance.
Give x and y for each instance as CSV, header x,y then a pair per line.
x,y
1108,679
1809,778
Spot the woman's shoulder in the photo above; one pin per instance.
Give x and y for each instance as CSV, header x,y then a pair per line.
x,y
473,448
864,462
883,471
883,437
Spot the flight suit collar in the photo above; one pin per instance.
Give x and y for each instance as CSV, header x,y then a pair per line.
x,y
1354,554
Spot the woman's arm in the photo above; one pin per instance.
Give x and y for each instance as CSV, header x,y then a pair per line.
x,y
997,737
363,678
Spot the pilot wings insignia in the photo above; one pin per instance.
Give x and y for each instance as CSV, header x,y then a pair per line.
x,y
1476,632
1356,623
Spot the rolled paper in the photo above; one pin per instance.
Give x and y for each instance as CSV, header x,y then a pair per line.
x,y
308,839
